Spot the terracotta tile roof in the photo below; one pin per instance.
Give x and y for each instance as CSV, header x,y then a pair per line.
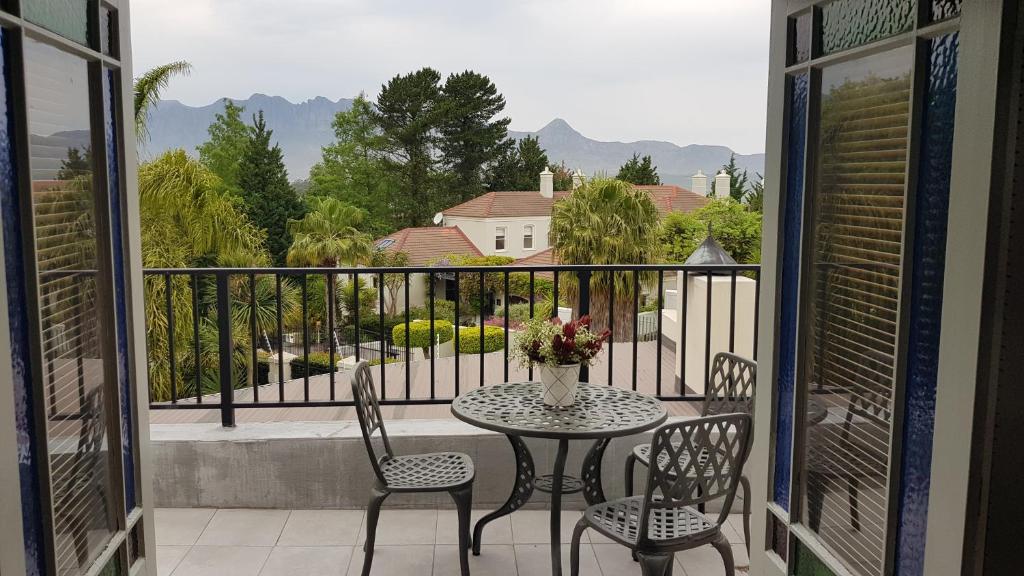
x,y
668,198
671,198
426,245
542,258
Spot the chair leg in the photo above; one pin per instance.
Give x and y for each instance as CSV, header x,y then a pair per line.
x,y
630,465
816,486
854,492
745,483
463,503
372,514
574,550
725,550
655,564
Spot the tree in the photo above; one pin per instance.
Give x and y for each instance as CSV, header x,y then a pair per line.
x,y
470,136
737,229
77,163
562,178
393,281
606,222
329,235
755,198
229,136
639,171
147,92
270,202
737,181
519,167
408,116
354,168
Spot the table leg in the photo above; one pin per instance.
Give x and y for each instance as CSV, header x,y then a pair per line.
x,y
522,488
593,490
556,507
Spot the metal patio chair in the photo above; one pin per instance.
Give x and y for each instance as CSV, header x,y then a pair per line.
x,y
450,472
664,521
730,388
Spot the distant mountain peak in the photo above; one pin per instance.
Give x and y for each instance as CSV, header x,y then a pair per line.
x,y
560,127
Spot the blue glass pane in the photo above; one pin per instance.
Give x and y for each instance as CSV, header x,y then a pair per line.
x,y
850,23
120,286
942,9
69,18
792,220
21,367
929,257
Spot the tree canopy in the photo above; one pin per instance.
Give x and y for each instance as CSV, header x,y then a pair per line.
x,y
329,235
738,181
737,229
228,138
639,171
519,167
269,200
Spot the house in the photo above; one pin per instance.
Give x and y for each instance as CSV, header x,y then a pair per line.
x,y
516,224
425,246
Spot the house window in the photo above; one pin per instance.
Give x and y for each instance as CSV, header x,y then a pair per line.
x,y
528,237
499,239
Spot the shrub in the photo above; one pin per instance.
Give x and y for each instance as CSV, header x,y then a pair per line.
x,y
419,333
443,310
376,361
319,363
469,339
518,312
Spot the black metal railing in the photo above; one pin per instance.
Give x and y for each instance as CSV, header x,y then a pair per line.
x,y
262,317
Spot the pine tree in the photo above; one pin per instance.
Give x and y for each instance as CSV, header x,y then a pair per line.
x,y
519,167
737,181
229,137
470,136
269,199
408,114
639,171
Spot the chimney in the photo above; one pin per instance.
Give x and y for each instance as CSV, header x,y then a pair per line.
x,y
547,183
700,183
722,183
577,179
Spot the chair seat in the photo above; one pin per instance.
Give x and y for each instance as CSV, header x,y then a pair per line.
x,y
642,452
427,472
620,521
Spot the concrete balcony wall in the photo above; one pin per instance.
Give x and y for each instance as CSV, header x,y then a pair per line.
x,y
311,465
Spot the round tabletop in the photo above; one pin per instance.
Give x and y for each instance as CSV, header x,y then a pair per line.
x,y
599,411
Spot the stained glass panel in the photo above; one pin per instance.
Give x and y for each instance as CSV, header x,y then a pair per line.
x,y
850,23
69,18
793,218
929,257
805,563
942,9
800,38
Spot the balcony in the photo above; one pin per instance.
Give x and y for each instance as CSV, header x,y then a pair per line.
x,y
277,447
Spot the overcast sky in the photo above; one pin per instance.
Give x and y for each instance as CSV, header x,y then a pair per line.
x,y
686,71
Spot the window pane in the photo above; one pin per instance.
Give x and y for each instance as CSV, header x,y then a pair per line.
x,y
800,38
797,140
851,313
70,302
69,18
806,563
942,9
931,221
850,23
108,25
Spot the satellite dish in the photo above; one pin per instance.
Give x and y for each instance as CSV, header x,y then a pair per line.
x,y
438,218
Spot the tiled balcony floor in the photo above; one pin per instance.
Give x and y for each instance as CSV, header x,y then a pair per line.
x,y
208,542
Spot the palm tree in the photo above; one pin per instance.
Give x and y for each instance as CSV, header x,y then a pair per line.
x,y
147,92
329,235
606,221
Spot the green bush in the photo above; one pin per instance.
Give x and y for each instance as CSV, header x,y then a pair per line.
x,y
518,312
443,310
419,333
376,361
469,339
319,363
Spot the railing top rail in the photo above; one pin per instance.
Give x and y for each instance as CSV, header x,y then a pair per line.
x,y
441,269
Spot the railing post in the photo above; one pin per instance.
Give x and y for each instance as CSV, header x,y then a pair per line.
x,y
224,352
584,309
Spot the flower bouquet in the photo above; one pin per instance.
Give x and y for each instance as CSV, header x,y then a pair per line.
x,y
558,350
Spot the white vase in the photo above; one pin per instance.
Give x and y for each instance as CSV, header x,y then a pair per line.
x,y
559,383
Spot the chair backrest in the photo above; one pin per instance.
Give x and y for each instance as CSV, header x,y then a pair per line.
x,y
370,420
695,461
730,386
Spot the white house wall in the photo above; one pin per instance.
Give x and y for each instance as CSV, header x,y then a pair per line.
x,y
481,232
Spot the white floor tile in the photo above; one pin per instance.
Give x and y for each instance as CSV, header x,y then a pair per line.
x,y
494,560
535,560
168,558
408,560
534,526
403,527
244,528
180,526
321,528
308,561
223,561
497,531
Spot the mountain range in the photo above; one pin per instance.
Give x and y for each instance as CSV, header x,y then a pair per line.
x,y
301,129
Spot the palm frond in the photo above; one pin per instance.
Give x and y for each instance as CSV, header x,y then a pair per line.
x,y
148,88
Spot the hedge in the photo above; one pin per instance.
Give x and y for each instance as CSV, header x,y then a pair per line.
x,y
419,333
319,363
469,339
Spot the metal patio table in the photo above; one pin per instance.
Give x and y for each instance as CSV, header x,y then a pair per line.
x,y
517,410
